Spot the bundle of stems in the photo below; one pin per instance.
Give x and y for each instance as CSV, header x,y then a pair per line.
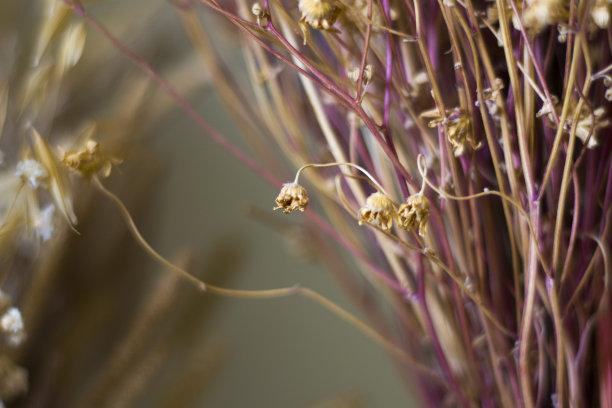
x,y
461,151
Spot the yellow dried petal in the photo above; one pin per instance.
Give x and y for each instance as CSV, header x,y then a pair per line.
x,y
58,183
4,91
36,85
56,18
72,46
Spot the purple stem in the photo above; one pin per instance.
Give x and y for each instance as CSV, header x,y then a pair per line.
x,y
387,98
536,64
434,337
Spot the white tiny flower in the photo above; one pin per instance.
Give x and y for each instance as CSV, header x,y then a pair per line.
x,y
32,171
11,322
43,222
16,339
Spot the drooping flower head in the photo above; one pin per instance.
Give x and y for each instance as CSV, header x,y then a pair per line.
x,y
378,210
292,197
414,213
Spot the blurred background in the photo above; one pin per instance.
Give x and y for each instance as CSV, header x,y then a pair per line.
x,y
107,326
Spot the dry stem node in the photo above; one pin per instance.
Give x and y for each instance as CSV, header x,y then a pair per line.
x,y
378,210
292,197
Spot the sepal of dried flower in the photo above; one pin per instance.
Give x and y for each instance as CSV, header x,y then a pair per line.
x,y
318,14
414,213
547,110
378,210
589,123
89,160
292,197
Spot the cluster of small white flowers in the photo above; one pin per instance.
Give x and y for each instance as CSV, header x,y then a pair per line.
x,y
11,324
11,321
32,171
43,222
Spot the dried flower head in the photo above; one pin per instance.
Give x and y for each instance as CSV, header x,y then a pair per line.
x,y
541,13
414,213
600,13
378,210
318,14
89,160
458,129
292,197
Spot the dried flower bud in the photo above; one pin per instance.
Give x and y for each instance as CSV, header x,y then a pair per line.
x,y
353,74
378,210
318,14
261,13
292,197
414,213
600,14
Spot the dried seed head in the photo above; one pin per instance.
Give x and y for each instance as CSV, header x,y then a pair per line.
x,y
292,197
542,13
378,210
318,14
414,213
